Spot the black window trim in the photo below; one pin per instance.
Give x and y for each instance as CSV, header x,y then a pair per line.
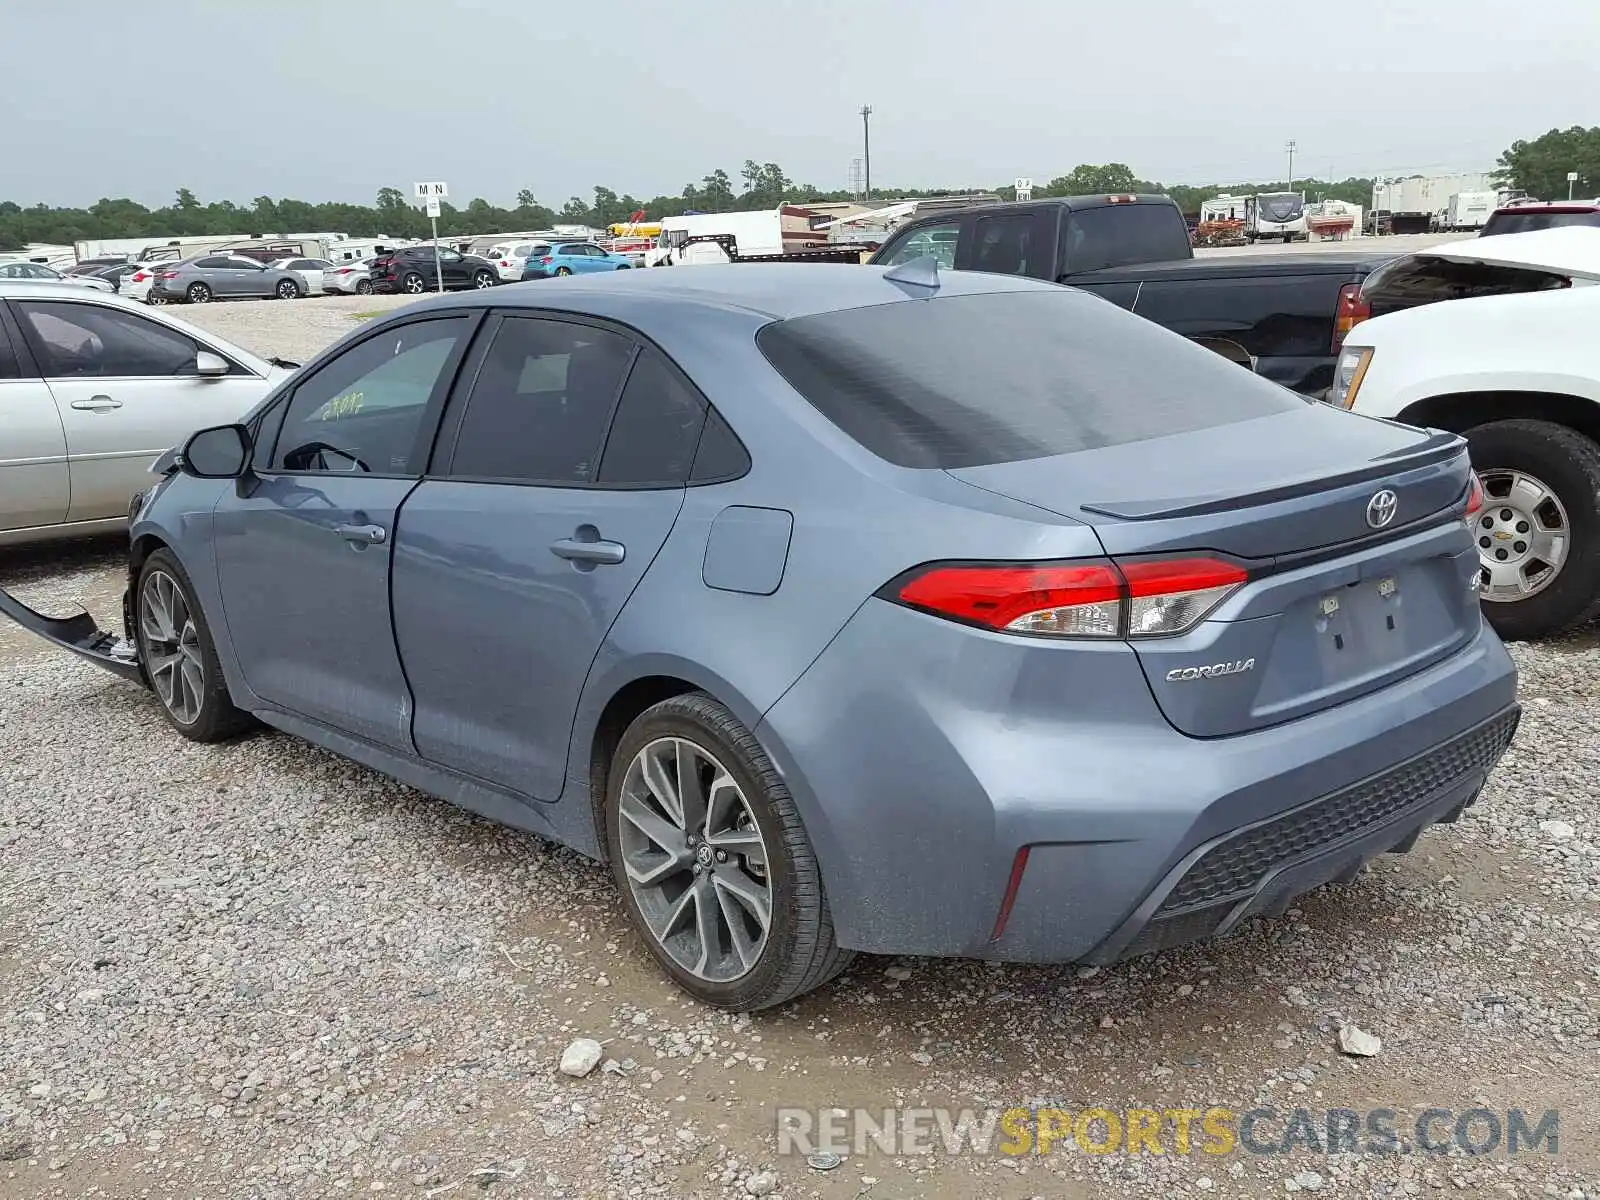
x,y
11,324
427,427
444,446
38,358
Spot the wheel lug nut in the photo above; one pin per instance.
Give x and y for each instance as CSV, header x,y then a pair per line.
x,y
722,856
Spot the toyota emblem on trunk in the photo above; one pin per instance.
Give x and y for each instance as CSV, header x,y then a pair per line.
x,y
1381,508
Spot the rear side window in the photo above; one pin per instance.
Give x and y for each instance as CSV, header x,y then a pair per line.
x,y
1119,235
656,429
210,264
1009,245
965,381
540,403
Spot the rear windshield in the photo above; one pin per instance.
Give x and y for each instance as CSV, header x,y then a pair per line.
x,y
966,381
1121,235
1523,222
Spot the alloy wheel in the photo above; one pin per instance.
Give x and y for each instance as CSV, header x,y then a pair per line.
x,y
173,657
287,290
695,860
413,284
1523,535
199,293
483,279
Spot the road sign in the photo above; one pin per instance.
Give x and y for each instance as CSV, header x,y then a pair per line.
x,y
425,190
1572,177
431,194
1024,188
432,203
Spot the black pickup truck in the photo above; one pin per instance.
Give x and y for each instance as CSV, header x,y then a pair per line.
x,y
1284,316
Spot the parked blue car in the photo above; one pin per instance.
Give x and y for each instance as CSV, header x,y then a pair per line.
x,y
839,609
572,258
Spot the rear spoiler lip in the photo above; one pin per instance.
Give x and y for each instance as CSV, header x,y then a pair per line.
x,y
1440,447
79,634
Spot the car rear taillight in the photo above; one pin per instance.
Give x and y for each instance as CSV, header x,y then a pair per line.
x,y
140,277
169,274
1475,500
1094,598
344,270
504,263
1352,309
547,259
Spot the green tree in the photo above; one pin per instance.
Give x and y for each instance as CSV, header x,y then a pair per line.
x,y
1540,167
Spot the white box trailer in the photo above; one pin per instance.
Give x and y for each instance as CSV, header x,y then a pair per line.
x,y
781,230
1469,210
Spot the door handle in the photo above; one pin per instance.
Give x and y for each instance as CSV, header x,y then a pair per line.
x,y
362,535
580,551
97,404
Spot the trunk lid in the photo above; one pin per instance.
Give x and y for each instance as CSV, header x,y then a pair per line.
x,y
1336,606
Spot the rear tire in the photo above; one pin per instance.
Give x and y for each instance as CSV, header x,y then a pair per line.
x,y
796,952
179,657
483,279
1567,464
412,284
562,271
198,293
288,291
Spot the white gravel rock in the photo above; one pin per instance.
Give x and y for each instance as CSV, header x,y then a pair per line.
x,y
580,1057
1356,1041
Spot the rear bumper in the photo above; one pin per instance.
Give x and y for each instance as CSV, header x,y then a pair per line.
x,y
924,758
535,273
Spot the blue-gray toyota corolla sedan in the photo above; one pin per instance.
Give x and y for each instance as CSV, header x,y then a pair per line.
x,y
839,609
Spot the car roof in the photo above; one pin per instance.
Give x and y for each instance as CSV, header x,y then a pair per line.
x,y
777,291
1103,200
1552,206
1568,249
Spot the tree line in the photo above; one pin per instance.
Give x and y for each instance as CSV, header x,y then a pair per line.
x,y
1539,167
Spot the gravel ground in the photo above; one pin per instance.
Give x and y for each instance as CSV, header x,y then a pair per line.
x,y
257,970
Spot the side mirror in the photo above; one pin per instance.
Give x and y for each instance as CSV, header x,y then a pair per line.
x,y
210,365
222,452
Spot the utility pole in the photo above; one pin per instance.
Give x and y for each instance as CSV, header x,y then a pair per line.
x,y
1289,146
866,148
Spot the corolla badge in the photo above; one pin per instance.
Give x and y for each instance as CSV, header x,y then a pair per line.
x,y
1214,670
1381,508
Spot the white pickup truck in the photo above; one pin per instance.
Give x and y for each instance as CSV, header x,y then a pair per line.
x,y
1512,361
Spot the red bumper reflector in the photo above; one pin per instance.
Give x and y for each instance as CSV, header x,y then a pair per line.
x,y
1018,866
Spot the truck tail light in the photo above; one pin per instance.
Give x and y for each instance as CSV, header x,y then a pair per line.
x,y
1093,598
1352,309
1475,500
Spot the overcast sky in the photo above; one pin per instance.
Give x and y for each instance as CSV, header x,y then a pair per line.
x,y
333,99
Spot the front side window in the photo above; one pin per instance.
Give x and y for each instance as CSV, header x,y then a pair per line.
x,y
91,341
937,240
363,411
540,404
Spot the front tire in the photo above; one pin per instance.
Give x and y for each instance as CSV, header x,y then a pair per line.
x,y
412,284
288,291
179,657
364,287
1538,532
198,293
712,860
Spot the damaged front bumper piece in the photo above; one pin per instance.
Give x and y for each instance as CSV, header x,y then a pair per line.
x,y
83,637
